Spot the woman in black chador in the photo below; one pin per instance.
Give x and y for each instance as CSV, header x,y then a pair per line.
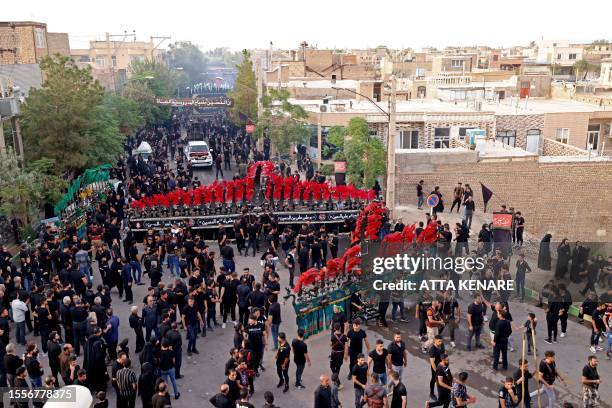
x,y
544,255
564,254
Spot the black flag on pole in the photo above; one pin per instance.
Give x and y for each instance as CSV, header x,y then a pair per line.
x,y
486,195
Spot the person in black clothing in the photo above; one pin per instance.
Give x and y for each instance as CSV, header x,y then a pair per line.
x,y
282,362
522,268
234,386
565,298
359,374
20,382
503,330
507,394
445,383
228,297
338,349
54,350
176,342
136,324
521,379
590,383
257,337
435,352
399,394
300,357
11,363
323,394
220,400
552,316
356,338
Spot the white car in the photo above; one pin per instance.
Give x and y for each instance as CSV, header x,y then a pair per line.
x,y
198,154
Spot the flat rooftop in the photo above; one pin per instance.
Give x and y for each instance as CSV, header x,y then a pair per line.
x,y
509,106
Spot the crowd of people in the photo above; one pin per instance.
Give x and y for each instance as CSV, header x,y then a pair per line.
x,y
51,293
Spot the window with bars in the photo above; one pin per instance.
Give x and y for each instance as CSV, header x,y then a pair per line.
x,y
441,138
409,139
507,137
562,135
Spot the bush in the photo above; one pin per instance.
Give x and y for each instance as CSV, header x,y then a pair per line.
x,y
327,169
340,156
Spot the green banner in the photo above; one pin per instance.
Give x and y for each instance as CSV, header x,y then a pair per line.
x,y
90,176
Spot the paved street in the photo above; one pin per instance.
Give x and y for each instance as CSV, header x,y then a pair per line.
x,y
204,372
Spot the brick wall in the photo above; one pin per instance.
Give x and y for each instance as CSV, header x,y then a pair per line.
x,y
520,124
554,148
58,43
567,199
21,39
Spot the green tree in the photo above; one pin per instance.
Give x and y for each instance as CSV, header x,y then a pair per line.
x,y
57,117
335,136
282,121
244,93
581,68
190,58
105,138
125,111
365,155
150,79
53,185
21,191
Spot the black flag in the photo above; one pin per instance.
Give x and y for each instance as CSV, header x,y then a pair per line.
x,y
486,196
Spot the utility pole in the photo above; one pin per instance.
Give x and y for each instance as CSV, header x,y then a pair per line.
x,y
110,54
390,193
319,140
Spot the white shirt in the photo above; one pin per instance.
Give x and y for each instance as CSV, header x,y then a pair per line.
x,y
19,310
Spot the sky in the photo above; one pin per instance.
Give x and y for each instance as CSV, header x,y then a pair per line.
x,y
239,24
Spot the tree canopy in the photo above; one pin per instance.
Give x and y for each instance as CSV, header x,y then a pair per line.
x,y
23,191
190,59
244,93
57,118
364,154
149,79
282,121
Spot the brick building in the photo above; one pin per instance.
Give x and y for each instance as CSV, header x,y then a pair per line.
x,y
565,197
27,42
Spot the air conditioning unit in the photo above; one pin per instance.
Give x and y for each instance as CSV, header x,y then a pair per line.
x,y
323,108
10,107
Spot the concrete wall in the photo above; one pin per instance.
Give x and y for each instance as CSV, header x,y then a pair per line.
x,y
576,122
567,199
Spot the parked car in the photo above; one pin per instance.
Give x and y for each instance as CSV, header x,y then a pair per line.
x,y
198,154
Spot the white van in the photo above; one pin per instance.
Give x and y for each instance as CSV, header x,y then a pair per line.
x,y
198,154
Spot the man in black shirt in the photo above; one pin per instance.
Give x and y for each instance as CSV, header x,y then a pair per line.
x,y
282,362
398,354
445,383
227,253
229,298
359,373
356,337
300,357
338,349
400,395
548,374
436,351
507,397
258,337
590,383
274,319
323,394
191,319
503,330
378,361
475,317
521,379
